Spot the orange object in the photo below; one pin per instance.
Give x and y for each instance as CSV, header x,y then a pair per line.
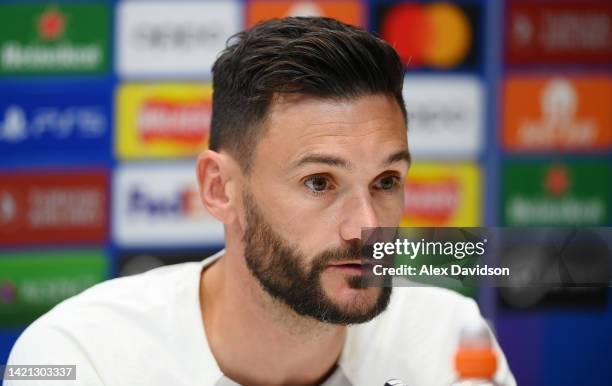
x,y
436,34
475,363
348,11
557,113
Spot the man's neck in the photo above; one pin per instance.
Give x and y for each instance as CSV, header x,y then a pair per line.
x,y
255,339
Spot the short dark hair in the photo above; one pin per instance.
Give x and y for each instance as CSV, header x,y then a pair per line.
x,y
315,56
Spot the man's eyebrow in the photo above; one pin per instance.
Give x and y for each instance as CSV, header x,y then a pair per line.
x,y
319,158
402,155
331,160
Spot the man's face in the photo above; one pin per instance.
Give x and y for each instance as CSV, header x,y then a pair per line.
x,y
323,170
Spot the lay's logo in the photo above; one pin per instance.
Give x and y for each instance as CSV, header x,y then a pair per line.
x,y
174,121
436,201
163,120
442,195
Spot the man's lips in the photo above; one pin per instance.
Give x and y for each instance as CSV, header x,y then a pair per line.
x,y
349,262
352,266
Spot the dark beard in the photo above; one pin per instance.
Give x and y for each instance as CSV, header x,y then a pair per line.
x,y
275,263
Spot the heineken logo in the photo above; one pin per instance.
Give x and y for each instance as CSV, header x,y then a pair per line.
x,y
557,180
38,38
567,211
51,25
554,194
33,282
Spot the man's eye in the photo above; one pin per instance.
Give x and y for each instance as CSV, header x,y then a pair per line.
x,y
388,183
317,184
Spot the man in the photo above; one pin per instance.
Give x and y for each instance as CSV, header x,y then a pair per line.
x,y
308,145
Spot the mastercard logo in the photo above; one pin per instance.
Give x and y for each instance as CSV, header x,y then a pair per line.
x,y
437,35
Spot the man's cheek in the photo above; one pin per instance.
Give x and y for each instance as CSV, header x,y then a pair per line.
x,y
391,215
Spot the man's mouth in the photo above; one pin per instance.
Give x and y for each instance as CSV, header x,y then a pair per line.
x,y
354,267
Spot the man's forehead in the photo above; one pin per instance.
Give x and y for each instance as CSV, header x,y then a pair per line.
x,y
299,122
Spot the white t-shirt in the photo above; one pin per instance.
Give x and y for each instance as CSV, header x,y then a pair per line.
x,y
147,330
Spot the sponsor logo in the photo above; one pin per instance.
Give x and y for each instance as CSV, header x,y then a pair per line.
x,y
560,113
169,120
31,283
559,32
57,123
53,121
347,11
556,194
438,35
556,181
8,207
51,207
182,203
445,115
181,38
442,195
163,120
41,38
159,205
436,201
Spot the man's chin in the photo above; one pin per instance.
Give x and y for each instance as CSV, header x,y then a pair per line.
x,y
354,301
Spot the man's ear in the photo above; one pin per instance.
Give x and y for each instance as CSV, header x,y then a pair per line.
x,y
217,178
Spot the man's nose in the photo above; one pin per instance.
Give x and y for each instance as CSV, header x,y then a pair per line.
x,y
358,212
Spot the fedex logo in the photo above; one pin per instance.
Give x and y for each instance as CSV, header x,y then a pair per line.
x,y
158,205
181,203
